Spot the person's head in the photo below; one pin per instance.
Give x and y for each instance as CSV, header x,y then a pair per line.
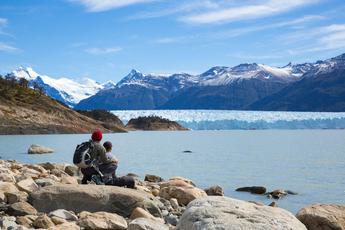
x,y
108,146
97,136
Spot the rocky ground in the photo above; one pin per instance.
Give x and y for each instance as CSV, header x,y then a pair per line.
x,y
49,196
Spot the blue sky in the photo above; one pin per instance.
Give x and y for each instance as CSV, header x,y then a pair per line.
x,y
105,39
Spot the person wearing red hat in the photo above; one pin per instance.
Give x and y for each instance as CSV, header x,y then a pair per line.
x,y
99,155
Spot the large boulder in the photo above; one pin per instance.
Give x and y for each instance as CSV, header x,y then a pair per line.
x,y
181,190
216,212
38,149
101,220
323,217
92,198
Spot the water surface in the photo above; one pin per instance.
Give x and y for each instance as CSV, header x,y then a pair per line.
x,y
310,162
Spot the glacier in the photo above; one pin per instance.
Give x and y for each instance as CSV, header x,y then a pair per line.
x,y
246,120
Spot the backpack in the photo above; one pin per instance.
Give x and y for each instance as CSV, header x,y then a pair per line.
x,y
82,155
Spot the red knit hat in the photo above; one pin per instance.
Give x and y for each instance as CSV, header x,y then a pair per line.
x,y
97,135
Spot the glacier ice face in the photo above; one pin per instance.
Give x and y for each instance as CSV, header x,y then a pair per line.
x,y
227,120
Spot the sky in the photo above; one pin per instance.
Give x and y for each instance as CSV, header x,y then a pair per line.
x,y
105,39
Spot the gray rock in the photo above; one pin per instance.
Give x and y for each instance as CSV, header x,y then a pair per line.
x,y
92,198
171,219
146,224
153,178
64,214
9,223
323,217
21,209
253,189
72,170
215,191
216,212
38,149
42,182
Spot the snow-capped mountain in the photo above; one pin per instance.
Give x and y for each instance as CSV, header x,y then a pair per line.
x,y
65,90
220,87
157,81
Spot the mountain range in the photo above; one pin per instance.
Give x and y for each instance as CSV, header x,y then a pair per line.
x,y
65,90
318,86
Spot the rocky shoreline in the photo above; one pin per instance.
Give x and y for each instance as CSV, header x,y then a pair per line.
x,y
49,196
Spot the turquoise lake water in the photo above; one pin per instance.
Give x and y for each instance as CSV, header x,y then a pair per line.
x,y
310,162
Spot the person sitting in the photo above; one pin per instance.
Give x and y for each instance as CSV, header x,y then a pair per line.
x,y
109,170
99,155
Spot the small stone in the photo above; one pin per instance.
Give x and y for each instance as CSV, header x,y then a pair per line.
x,y
155,192
7,187
140,213
146,224
38,149
47,166
174,203
28,173
171,219
132,175
38,168
58,220
277,194
27,185
3,198
188,181
8,222
68,180
43,221
153,178
101,220
24,221
165,212
65,226
273,204
42,182
16,197
72,170
64,214
21,209
215,191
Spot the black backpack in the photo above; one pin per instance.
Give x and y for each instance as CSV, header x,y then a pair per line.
x,y
82,155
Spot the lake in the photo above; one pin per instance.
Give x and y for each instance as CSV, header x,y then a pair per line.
x,y
310,162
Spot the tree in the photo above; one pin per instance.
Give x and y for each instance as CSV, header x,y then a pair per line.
x,y
23,83
38,88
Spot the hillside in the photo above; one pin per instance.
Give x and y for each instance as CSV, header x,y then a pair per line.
x,y
27,111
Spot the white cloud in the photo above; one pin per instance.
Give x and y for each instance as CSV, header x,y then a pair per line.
x,y
184,7
246,12
7,48
297,23
105,5
323,38
99,51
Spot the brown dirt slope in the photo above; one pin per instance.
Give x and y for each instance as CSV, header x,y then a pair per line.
x,y
26,111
